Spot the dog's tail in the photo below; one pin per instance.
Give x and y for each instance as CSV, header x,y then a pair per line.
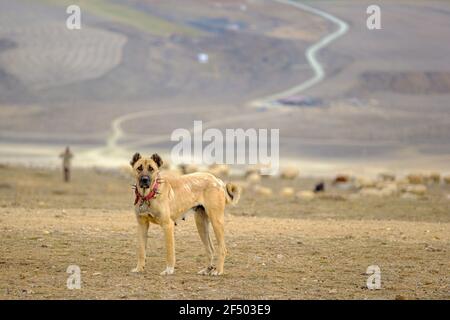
x,y
232,193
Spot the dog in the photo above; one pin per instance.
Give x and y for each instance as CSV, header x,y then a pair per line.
x,y
163,198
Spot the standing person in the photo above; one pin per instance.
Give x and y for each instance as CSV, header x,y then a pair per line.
x,y
66,159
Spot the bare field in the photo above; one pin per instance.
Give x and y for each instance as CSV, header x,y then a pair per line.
x,y
297,252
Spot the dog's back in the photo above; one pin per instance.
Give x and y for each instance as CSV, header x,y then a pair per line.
x,y
199,181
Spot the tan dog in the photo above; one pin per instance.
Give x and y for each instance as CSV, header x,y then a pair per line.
x,y
162,198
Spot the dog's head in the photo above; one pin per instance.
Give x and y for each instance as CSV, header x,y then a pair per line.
x,y
145,169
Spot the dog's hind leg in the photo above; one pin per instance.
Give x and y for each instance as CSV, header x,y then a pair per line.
x,y
202,223
217,220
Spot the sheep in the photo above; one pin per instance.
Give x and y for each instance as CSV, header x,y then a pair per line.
x,y
341,178
287,192
447,179
416,178
263,191
344,182
305,195
381,190
219,170
252,170
417,189
365,183
386,176
289,173
188,168
435,177
320,187
389,190
254,178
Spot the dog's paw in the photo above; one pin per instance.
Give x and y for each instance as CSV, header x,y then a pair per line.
x,y
137,270
215,273
206,271
168,271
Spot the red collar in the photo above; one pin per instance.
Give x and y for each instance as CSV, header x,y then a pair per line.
x,y
152,194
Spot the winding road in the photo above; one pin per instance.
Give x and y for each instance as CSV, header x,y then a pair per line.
x,y
311,56
117,132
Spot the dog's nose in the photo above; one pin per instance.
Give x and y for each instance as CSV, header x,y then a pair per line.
x,y
145,180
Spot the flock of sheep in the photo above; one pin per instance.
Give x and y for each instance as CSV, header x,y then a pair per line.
x,y
412,186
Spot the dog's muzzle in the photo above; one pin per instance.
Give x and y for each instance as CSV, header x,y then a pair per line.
x,y
144,182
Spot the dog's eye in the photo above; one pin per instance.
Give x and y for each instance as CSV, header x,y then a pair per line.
x,y
150,168
140,168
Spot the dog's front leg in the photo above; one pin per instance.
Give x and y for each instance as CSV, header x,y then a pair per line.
x,y
142,232
168,228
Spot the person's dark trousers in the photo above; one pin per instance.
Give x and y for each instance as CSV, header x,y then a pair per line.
x,y
66,174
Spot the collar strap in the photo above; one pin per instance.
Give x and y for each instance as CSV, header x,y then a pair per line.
x,y
152,194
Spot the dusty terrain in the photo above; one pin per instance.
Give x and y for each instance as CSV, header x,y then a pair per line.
x,y
278,248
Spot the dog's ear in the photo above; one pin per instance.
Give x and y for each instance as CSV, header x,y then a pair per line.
x,y
157,159
135,158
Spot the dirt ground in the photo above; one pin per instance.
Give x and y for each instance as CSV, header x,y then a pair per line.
x,y
278,248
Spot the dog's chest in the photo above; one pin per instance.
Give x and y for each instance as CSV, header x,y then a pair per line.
x,y
145,209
